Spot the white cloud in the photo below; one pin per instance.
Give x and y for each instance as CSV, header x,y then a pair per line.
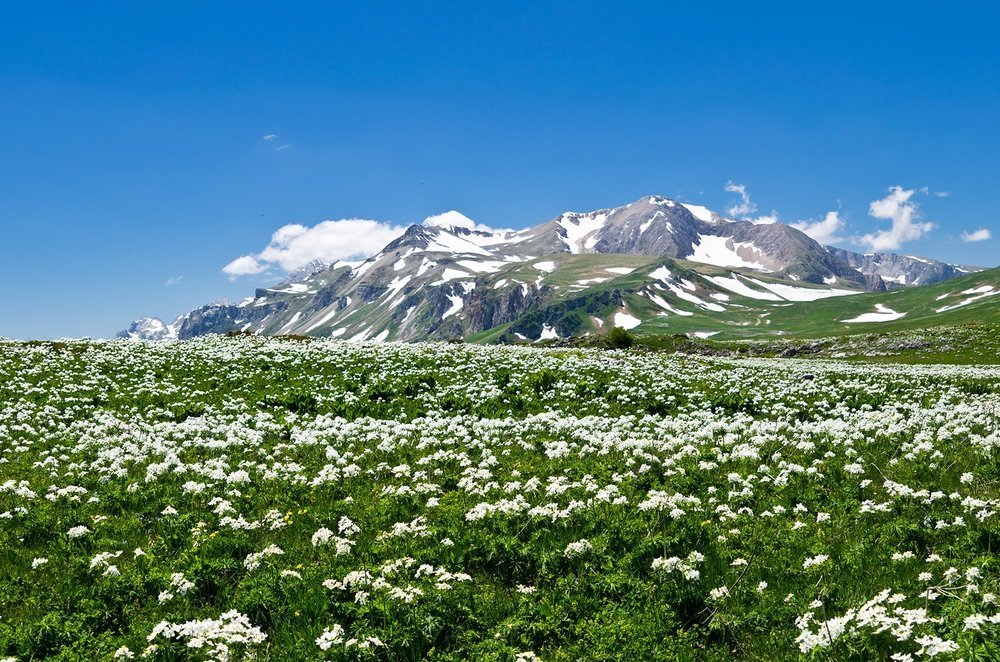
x,y
943,194
270,137
174,280
982,234
765,219
904,214
280,148
824,231
246,265
293,245
745,206
456,219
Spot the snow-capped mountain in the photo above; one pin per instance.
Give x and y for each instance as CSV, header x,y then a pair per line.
x,y
576,273
149,328
901,269
660,226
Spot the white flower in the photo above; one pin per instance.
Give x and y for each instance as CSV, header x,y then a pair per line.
x,y
932,646
347,527
331,636
77,532
577,548
761,587
253,561
232,627
38,562
819,559
321,536
180,583
974,621
324,536
685,567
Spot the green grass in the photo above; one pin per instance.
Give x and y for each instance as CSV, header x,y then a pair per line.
x,y
498,501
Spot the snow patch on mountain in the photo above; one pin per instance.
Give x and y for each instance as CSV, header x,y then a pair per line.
x,y
793,293
703,214
446,242
548,266
735,285
976,293
626,321
724,252
882,314
456,305
580,230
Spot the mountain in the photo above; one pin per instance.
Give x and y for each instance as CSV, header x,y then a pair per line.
x,y
901,269
149,328
659,226
304,272
655,265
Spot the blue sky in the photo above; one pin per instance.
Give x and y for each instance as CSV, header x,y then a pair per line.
x,y
131,134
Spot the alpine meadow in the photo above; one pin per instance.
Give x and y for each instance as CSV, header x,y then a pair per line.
x,y
282,499
499,332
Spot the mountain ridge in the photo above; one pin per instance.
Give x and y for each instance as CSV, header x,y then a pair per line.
x,y
441,281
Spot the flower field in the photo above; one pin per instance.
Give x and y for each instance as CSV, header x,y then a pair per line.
x,y
245,498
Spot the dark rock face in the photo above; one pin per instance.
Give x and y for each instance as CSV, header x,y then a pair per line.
x,y
874,283
369,292
487,308
224,318
324,298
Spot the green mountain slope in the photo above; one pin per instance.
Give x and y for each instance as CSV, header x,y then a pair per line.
x,y
971,298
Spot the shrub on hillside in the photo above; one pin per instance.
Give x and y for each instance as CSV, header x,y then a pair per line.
x,y
619,338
